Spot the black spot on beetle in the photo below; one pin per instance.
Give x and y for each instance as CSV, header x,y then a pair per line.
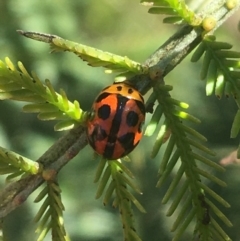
x,y
132,118
104,112
127,141
98,134
130,91
119,88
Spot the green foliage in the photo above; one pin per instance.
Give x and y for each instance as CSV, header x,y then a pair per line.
x,y
184,146
21,86
15,165
94,57
220,69
50,215
184,155
178,11
120,181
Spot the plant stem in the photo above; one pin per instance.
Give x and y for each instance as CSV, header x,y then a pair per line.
x,y
53,159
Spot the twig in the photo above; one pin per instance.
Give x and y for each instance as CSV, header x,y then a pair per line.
x,y
177,47
161,62
53,159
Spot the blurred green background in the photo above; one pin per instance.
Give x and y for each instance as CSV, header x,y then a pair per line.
x,y
124,28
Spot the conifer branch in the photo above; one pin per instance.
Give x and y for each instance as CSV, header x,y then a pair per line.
x,y
178,10
58,155
167,57
220,69
12,163
116,177
21,86
176,48
182,145
50,215
94,57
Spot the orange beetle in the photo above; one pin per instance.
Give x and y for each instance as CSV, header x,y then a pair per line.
x,y
115,126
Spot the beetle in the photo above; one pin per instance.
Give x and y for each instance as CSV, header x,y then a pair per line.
x,y
114,127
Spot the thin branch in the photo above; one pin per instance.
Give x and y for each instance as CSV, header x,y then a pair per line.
x,y
53,159
165,59
177,47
